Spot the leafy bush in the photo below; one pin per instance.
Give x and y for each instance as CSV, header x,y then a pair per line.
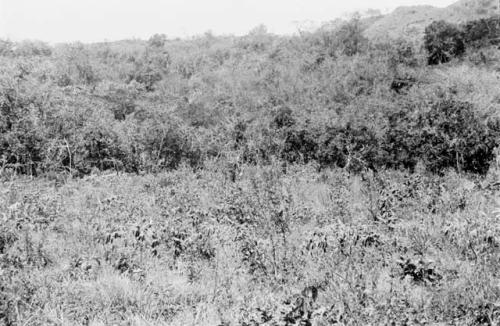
x,y
399,52
157,41
398,146
300,146
447,135
481,32
22,133
162,143
121,97
98,148
283,118
75,66
350,39
350,147
150,68
443,42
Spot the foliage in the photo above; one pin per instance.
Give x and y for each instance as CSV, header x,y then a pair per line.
x,y
327,96
269,248
350,147
448,135
350,39
312,179
300,145
151,67
443,42
478,33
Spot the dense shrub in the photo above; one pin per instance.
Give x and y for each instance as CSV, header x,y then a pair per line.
x,y
22,147
447,135
283,118
157,41
403,52
164,144
152,105
443,42
98,148
121,97
398,146
349,38
22,134
150,68
481,32
351,147
75,66
299,143
300,146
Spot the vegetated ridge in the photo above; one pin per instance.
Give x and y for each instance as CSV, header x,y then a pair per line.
x,y
410,22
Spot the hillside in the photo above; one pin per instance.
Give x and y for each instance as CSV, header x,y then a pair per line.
x,y
410,22
313,179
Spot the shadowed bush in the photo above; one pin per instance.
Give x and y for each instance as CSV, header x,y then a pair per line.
x,y
447,135
482,32
443,42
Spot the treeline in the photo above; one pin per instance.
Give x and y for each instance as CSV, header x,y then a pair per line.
x,y
446,135
329,96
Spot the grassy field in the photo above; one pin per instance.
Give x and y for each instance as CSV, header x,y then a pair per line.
x,y
305,247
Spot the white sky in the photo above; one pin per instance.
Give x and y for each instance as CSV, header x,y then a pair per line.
x,y
99,20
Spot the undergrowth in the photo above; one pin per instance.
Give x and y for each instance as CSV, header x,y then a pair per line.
x,y
197,247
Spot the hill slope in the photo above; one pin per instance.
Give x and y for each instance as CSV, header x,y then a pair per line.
x,y
410,22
